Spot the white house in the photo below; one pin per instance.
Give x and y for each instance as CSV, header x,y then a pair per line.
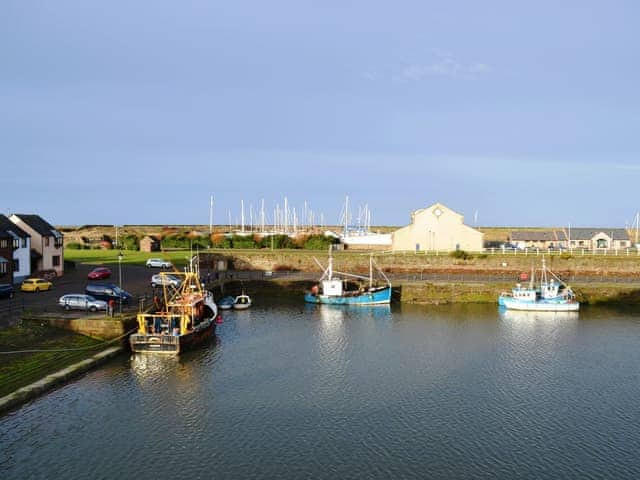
x,y
46,242
21,245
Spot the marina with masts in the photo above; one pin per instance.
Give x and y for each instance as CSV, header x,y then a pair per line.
x,y
287,219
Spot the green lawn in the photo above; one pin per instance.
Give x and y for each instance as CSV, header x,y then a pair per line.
x,y
20,369
130,257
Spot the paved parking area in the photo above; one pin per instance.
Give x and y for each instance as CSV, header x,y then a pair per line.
x,y
135,279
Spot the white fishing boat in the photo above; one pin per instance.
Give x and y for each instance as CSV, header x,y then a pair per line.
x,y
242,302
550,294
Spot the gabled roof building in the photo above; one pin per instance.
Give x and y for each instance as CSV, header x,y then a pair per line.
x,y
47,243
20,256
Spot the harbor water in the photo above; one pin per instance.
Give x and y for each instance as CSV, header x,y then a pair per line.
x,y
312,391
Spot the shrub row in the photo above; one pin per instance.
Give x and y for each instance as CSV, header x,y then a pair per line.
x,y
185,241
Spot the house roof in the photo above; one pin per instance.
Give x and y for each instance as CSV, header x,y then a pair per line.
x,y
8,229
39,225
589,233
153,238
535,236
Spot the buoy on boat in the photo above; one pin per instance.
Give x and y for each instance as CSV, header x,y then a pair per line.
x,y
219,319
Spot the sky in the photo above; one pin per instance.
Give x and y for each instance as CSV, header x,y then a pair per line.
x,y
510,113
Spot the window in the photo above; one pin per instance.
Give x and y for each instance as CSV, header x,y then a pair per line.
x,y
16,243
46,241
56,260
4,243
16,265
601,243
58,243
3,268
24,243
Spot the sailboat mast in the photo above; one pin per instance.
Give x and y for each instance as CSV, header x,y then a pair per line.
x,y
210,214
242,215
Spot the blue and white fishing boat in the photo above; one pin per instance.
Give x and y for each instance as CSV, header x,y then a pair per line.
x,y
550,295
337,290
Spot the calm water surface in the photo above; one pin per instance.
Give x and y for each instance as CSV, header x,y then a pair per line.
x,y
309,392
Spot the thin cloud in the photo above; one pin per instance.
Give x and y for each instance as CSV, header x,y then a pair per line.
x,y
445,65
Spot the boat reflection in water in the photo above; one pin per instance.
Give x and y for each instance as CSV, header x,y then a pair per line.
x,y
530,317
340,313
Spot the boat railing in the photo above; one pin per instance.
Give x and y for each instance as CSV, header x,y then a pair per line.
x,y
155,338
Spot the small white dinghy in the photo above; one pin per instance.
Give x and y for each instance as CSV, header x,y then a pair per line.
x,y
242,302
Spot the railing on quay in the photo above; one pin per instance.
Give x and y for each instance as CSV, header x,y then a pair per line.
x,y
422,276
583,252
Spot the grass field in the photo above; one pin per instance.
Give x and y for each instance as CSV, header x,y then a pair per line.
x,y
129,257
21,369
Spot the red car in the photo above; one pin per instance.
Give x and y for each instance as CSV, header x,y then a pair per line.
x,y
99,273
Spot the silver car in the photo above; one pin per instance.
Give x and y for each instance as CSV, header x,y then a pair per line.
x,y
159,280
158,263
80,301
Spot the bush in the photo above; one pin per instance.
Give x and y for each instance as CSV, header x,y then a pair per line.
x,y
461,254
130,242
238,241
184,241
221,241
277,241
319,242
73,246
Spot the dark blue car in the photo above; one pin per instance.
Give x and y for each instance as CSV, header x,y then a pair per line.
x,y
107,291
6,291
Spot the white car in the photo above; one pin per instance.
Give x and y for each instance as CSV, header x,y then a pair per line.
x,y
158,263
158,280
79,301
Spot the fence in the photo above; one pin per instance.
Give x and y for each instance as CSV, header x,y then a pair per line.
x,y
596,252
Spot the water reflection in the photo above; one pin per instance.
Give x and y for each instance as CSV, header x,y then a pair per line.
x,y
344,392
525,317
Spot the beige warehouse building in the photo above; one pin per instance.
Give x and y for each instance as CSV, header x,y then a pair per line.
x,y
437,228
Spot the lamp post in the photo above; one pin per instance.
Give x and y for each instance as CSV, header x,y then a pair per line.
x,y
120,256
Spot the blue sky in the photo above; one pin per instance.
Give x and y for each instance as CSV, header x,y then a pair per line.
x,y
136,112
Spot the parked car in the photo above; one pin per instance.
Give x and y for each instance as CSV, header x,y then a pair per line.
x,y
99,273
158,263
159,280
79,301
107,291
6,291
35,285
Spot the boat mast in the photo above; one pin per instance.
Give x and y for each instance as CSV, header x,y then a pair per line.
x,y
330,269
371,270
531,280
543,277
242,215
210,215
